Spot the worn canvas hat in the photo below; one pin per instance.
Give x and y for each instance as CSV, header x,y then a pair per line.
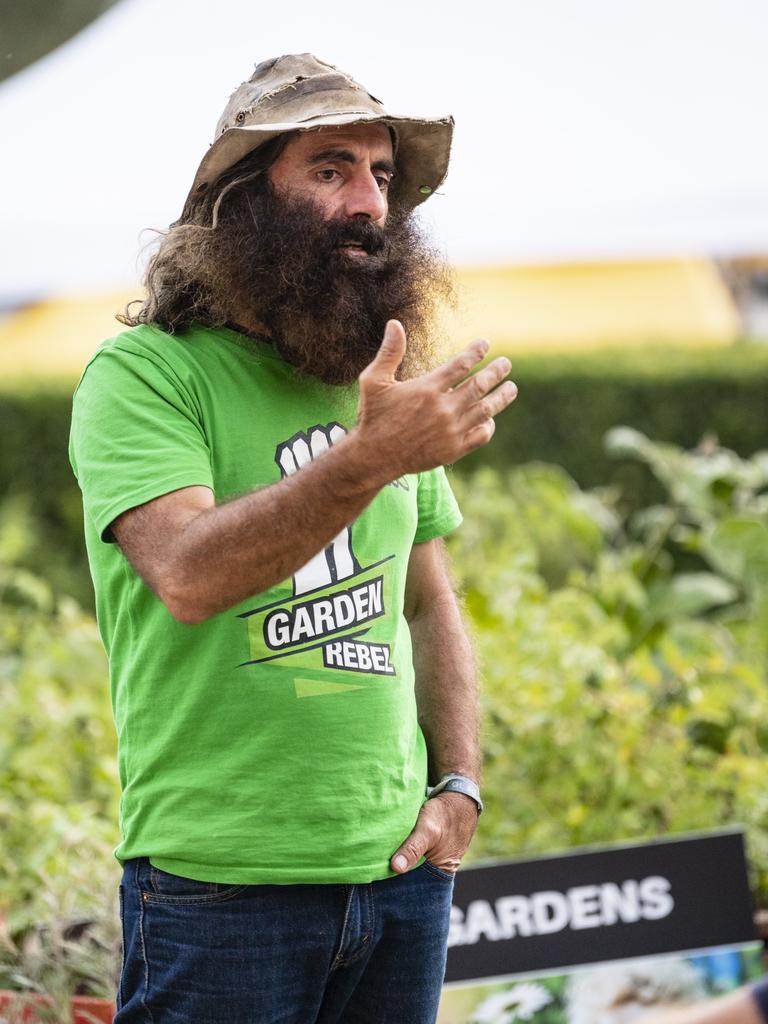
x,y
298,92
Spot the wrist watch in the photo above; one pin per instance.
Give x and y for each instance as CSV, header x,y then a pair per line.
x,y
453,783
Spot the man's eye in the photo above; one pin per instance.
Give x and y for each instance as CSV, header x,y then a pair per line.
x,y
384,183
327,174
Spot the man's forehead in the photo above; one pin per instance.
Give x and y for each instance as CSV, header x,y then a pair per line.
x,y
376,137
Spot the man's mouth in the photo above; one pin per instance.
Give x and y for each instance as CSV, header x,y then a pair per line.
x,y
352,248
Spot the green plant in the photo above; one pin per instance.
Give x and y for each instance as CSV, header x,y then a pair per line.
x,y
74,945
568,402
620,698
59,929
716,510
624,696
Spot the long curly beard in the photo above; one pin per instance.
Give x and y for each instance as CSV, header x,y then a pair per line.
x,y
275,261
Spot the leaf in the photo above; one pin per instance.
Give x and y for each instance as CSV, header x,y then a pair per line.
x,y
626,442
689,594
739,548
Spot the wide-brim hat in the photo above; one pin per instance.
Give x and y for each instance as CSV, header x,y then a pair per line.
x,y
298,92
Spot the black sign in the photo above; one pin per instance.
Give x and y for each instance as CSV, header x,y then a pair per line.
x,y
581,908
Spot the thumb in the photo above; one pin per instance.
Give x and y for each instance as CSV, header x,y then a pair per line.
x,y
415,846
391,351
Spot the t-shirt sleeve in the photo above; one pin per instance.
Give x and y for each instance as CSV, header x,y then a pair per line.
x,y
438,510
135,435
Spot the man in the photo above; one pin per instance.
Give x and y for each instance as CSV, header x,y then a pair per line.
x,y
276,609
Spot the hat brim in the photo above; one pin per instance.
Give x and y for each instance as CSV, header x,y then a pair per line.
x,y
423,150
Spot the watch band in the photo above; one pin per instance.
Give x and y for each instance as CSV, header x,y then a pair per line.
x,y
453,783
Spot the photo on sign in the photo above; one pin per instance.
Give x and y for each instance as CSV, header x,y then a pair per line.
x,y
602,935
615,993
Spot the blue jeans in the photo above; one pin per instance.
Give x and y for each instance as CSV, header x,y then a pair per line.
x,y
212,953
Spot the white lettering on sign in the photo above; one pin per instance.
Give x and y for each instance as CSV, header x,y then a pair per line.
x,y
544,913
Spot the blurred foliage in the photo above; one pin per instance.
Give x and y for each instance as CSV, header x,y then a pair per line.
x,y
624,695
40,501
59,929
623,698
34,28
566,404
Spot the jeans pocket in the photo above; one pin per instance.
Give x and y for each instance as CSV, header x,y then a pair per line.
x,y
433,869
163,887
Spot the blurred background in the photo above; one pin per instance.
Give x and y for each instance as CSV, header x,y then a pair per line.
x,y
607,215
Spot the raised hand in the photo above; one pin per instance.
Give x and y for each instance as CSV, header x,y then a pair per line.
x,y
433,420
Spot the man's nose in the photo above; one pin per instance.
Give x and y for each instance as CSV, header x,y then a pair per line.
x,y
364,196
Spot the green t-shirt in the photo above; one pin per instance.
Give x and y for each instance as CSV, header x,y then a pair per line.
x,y
278,741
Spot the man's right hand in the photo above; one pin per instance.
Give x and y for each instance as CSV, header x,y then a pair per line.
x,y
433,420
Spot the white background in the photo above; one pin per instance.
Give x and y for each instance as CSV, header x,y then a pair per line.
x,y
585,128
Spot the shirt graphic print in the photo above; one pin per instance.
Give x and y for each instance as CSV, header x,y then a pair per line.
x,y
335,599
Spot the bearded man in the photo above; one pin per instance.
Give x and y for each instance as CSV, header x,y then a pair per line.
x,y
289,671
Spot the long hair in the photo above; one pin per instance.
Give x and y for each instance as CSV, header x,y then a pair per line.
x,y
176,297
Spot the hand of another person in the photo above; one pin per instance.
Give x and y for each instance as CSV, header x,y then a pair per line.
x,y
739,1007
414,425
443,831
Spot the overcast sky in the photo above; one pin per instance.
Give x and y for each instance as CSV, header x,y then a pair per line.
x,y
584,128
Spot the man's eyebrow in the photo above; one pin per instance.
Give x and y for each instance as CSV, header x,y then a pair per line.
x,y
383,165
347,156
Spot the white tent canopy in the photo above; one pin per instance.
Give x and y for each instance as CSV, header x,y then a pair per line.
x,y
585,130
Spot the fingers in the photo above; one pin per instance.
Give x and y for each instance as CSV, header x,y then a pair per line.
x,y
481,396
489,406
456,369
420,840
479,435
414,847
479,419
441,416
480,383
442,832
391,352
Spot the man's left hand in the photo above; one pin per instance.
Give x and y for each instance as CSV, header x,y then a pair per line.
x,y
443,831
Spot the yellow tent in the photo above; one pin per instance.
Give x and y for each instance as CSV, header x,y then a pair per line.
x,y
587,305
543,308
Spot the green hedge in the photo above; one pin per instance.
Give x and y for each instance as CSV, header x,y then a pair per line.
x,y
38,488
621,699
566,405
